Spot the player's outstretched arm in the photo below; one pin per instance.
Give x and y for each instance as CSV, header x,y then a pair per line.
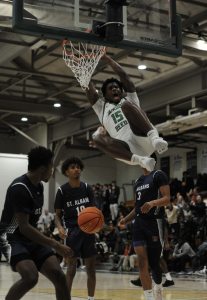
x,y
125,79
34,235
91,94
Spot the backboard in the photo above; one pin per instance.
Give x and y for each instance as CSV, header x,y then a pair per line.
x,y
149,25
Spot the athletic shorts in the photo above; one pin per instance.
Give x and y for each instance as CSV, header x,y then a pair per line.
x,y
148,232
32,251
82,244
139,145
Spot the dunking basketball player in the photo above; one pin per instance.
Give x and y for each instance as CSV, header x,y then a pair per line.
x,y
132,136
152,193
71,199
30,251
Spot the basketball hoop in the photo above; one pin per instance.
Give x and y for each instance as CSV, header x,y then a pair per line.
x,y
82,60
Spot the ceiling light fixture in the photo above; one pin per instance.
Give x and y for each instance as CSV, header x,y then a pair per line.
x,y
142,67
24,119
200,42
57,105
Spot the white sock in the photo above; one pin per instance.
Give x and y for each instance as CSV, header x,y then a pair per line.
x,y
168,277
90,298
153,133
135,159
158,286
149,295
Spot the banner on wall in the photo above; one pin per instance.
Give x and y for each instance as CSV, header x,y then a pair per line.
x,y
204,161
165,165
178,166
192,163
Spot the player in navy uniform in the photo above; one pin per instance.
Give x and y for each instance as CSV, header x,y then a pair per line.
x,y
71,198
30,251
152,193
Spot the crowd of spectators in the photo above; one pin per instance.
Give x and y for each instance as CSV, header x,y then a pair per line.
x,y
186,222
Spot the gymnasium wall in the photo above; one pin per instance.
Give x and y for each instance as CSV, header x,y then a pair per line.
x,y
14,166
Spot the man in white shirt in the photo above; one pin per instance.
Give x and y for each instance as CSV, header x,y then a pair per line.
x,y
47,218
132,138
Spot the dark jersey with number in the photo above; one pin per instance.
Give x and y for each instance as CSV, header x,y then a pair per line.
x,y
72,201
21,197
147,188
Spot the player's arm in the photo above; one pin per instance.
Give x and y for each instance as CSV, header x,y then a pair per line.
x,y
58,217
58,206
125,80
91,94
34,235
160,180
130,217
165,200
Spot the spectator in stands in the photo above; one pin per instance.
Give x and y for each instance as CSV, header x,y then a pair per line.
x,y
182,254
93,187
198,184
187,212
200,260
204,180
116,188
105,198
118,255
126,258
175,186
113,200
171,212
131,258
189,196
110,188
129,230
99,201
187,183
185,232
198,207
195,193
102,235
47,218
110,239
180,202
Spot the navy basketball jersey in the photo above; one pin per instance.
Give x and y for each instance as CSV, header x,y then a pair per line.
x,y
22,196
147,188
72,201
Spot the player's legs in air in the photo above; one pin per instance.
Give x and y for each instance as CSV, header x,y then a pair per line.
x,y
119,149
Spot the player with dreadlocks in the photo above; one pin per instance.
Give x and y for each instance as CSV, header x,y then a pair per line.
x,y
132,138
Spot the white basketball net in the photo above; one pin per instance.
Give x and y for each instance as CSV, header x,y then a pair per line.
x,y
83,61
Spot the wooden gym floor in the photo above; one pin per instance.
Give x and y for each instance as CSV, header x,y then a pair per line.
x,y
110,285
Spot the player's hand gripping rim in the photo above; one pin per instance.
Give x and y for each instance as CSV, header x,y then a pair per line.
x,y
122,224
146,207
62,233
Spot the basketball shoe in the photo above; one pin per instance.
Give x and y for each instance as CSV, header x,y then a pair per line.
x,y
158,294
157,142
100,130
